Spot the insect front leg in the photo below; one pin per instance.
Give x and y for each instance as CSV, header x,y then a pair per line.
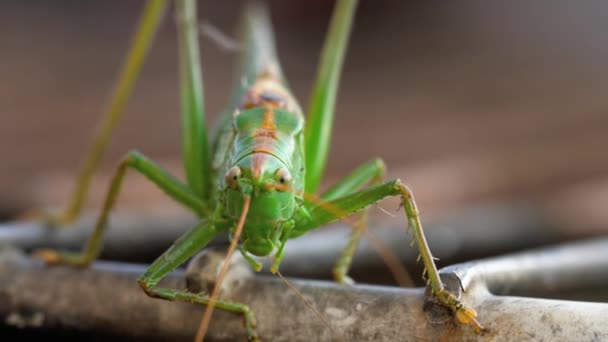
x,y
184,248
372,172
150,170
347,205
142,41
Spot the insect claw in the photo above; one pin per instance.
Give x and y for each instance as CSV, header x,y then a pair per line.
x,y
412,242
418,258
468,315
386,211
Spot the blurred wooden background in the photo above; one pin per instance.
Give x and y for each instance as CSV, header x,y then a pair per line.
x,y
467,102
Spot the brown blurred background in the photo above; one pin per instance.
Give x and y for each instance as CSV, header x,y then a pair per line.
x,y
467,102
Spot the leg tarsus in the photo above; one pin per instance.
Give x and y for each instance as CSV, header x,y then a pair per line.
x,y
464,314
170,294
53,257
256,265
343,264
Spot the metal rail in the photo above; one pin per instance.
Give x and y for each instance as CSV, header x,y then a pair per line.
x,y
106,299
462,235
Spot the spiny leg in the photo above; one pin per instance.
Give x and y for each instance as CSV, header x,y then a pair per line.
x,y
140,46
317,133
184,248
372,172
350,204
150,170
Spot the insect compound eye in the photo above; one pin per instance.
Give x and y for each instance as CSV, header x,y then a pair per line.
x,y
282,176
232,176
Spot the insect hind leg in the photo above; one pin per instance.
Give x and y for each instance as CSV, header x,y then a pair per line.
x,y
143,38
171,186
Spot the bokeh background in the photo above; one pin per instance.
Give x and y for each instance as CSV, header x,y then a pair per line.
x,y
473,104
468,102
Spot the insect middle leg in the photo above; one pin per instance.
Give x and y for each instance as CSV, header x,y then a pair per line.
x,y
171,186
352,203
371,172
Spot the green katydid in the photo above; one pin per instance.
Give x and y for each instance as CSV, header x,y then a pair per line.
x,y
252,177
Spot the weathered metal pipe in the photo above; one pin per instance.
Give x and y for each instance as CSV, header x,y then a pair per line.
x,y
106,298
459,236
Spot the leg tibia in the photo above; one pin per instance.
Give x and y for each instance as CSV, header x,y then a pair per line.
x,y
171,294
463,313
413,216
154,173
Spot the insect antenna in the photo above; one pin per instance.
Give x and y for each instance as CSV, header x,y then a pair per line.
x,y
221,39
385,211
301,296
400,274
200,334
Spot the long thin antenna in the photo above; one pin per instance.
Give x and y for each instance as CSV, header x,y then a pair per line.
x,y
299,294
202,331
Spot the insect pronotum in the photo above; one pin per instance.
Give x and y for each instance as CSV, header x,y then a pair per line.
x,y
265,155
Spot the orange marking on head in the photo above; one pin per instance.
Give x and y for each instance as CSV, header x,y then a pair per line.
x,y
266,131
257,162
268,127
263,149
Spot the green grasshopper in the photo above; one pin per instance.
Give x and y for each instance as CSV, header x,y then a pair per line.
x,y
252,177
